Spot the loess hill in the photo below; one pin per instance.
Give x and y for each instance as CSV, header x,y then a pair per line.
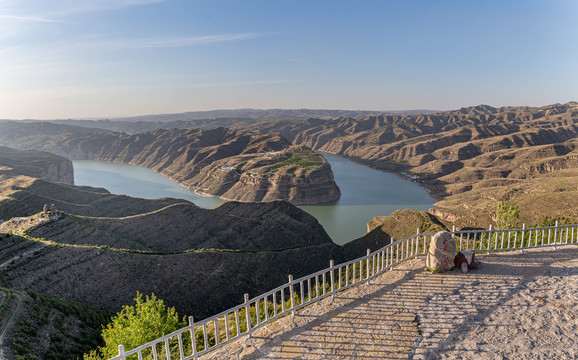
x,y
222,162
105,247
469,159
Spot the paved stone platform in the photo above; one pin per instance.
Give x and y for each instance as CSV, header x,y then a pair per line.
x,y
409,313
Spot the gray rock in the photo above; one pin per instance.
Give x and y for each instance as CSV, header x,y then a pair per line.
x,y
441,253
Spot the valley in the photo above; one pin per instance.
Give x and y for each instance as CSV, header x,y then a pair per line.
x,y
103,248
227,163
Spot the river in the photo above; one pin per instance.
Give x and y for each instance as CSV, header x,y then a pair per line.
x,y
365,192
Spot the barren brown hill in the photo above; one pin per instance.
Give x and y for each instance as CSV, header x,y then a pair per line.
x,y
42,165
184,226
228,163
470,159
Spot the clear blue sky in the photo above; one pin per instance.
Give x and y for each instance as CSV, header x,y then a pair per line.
x,y
106,58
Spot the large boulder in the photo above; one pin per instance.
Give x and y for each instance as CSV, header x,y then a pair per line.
x,y
441,252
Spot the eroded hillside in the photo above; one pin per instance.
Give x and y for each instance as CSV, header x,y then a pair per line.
x,y
469,159
42,165
227,163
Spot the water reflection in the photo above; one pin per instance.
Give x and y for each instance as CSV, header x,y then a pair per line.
x,y
365,192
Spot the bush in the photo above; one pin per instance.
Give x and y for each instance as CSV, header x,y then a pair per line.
x,y
136,325
547,221
507,216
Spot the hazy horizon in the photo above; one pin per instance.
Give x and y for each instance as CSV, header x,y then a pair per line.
x,y
125,58
113,118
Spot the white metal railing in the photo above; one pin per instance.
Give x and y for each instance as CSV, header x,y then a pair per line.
x,y
201,337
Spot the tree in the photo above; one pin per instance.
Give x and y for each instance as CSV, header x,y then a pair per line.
x,y
506,216
136,325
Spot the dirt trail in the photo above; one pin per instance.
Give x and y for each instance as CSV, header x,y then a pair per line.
x,y
8,326
517,305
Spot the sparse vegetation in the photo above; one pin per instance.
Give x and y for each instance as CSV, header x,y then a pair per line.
x,y
551,221
507,216
72,328
302,157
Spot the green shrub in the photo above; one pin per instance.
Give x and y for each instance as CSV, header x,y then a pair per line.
x,y
507,216
550,221
136,325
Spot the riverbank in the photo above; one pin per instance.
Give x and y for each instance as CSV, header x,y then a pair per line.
x,y
365,192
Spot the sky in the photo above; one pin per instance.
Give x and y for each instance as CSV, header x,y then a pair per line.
x,y
112,58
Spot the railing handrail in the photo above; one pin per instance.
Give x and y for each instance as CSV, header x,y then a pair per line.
x,y
383,259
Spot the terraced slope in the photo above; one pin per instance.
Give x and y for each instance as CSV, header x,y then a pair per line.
x,y
470,159
108,279
24,196
165,241
222,162
182,227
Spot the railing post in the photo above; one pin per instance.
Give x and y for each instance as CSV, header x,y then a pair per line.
x,y
248,313
490,241
391,241
332,279
121,352
556,235
291,295
193,337
523,236
367,264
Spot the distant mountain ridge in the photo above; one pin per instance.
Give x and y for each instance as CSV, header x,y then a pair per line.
x,y
478,155
262,114
512,153
214,119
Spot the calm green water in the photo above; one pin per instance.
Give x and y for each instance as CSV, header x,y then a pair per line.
x,y
365,192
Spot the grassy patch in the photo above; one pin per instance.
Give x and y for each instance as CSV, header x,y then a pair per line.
x,y
302,157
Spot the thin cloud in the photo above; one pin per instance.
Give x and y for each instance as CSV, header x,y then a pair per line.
x,y
39,11
27,18
171,42
186,41
234,84
67,7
